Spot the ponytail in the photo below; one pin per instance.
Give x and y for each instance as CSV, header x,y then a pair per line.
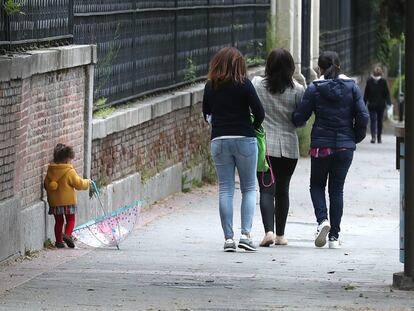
x,y
328,61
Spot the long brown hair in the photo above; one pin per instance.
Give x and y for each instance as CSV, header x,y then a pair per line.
x,y
227,65
279,71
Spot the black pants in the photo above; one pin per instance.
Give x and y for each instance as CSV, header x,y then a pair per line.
x,y
274,200
376,117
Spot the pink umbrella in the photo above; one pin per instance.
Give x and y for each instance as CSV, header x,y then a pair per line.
x,y
109,229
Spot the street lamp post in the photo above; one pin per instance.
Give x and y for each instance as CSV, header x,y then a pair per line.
x,y
409,138
405,280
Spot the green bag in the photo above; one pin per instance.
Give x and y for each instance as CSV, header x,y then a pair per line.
x,y
262,165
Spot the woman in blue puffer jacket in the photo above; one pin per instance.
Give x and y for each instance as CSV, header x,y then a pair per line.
x,y
341,120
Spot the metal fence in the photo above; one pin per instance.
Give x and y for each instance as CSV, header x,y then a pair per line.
x,y
145,46
36,23
306,39
349,28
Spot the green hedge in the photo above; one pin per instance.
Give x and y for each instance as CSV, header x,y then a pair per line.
x,y
395,86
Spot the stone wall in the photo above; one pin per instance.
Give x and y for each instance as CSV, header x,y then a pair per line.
x,y
53,108
43,95
10,96
178,136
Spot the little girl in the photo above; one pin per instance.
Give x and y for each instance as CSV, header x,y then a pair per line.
x,y
60,184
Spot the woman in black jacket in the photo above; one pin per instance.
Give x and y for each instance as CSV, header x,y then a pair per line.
x,y
376,97
229,99
340,122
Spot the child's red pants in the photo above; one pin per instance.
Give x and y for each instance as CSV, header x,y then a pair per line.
x,y
70,224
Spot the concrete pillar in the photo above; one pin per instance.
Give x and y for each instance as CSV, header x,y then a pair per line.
x,y
90,72
289,31
314,52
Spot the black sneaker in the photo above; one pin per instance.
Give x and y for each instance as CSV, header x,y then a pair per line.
x,y
59,245
69,241
246,243
229,245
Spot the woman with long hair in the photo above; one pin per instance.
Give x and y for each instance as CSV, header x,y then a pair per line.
x,y
229,98
279,94
341,120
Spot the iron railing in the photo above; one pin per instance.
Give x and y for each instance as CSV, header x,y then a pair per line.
x,y
306,39
39,23
147,46
349,27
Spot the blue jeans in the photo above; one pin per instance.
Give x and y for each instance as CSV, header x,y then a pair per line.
x,y
334,166
227,155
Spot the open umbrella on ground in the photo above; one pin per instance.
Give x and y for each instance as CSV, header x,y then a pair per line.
x,y
110,229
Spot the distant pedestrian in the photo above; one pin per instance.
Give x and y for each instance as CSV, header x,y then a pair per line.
x,y
229,98
280,94
60,183
341,119
376,97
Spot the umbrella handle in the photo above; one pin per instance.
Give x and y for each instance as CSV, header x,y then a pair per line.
x,y
94,187
96,190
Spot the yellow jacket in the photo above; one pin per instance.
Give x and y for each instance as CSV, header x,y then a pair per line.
x,y
60,184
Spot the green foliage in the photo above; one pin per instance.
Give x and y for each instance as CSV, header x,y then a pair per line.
x,y
12,7
304,134
103,111
384,45
254,61
109,59
238,26
395,87
271,41
48,244
190,72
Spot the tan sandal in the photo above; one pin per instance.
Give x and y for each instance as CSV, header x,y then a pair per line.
x,y
281,240
268,239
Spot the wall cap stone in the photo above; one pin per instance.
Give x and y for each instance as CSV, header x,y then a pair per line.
x,y
24,65
143,111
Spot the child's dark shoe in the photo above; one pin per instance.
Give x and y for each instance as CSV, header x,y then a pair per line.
x,y
69,241
59,245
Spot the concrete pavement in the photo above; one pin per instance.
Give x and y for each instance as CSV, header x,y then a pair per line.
x,y
176,262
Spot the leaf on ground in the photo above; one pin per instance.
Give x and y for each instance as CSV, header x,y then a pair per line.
x,y
349,287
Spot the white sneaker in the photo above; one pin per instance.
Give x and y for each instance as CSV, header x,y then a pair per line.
x,y
321,233
334,243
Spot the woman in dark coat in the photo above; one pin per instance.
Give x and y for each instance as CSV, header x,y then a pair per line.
x,y
340,122
376,97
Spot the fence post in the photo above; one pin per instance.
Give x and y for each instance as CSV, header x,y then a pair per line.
x,y
134,65
175,42
232,24
255,42
70,19
208,28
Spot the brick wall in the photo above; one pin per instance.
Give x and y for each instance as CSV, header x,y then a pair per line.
x,y
36,114
10,98
179,136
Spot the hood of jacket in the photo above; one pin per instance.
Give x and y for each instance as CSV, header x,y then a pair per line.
x,y
332,89
55,172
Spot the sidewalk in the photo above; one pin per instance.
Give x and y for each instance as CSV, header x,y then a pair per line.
x,y
176,262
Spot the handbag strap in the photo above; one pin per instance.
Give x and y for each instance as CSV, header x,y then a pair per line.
x,y
272,176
